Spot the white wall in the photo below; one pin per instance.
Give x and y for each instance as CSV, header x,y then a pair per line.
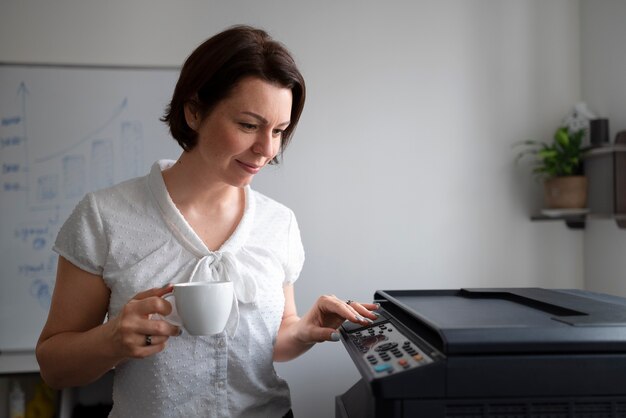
x,y
402,170
603,53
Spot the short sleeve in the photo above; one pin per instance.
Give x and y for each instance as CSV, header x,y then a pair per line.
x,y
81,239
295,252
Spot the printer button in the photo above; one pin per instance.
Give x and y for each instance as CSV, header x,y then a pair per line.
x,y
386,346
383,368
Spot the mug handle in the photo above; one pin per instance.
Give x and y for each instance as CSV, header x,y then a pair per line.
x,y
173,318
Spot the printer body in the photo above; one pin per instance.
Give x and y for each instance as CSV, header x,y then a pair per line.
x,y
473,353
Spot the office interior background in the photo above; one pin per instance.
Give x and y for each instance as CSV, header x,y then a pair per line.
x,y
402,171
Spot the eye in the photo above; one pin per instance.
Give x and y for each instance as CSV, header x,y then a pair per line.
x,y
247,126
278,133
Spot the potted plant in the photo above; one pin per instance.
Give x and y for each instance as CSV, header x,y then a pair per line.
x,y
559,165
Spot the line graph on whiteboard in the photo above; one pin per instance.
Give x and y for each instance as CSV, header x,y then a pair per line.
x,y
65,132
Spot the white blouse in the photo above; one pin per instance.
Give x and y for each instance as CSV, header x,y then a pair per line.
x,y
134,237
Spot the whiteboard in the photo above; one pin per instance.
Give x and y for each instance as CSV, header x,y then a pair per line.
x,y
64,131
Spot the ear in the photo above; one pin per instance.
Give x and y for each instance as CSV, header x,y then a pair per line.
x,y
192,116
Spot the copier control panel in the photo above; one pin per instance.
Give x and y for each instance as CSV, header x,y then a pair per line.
x,y
386,347
462,352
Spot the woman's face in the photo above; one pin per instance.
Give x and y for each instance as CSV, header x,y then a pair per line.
x,y
242,133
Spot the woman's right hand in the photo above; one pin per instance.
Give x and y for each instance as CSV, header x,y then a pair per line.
x,y
77,346
134,331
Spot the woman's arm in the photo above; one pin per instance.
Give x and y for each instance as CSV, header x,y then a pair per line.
x,y
76,347
296,335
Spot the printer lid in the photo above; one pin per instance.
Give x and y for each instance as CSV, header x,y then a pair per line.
x,y
511,320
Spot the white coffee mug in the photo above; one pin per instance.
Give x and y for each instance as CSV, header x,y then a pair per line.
x,y
202,308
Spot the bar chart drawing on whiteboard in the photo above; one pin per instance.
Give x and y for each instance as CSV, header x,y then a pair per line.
x,y
64,132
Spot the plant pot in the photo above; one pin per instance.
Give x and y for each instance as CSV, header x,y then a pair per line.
x,y
568,192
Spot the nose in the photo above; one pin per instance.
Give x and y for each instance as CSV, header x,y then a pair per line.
x,y
265,144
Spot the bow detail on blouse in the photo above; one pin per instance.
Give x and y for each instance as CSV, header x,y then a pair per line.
x,y
223,266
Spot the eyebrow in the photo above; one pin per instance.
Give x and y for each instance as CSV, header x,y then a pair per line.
x,y
262,119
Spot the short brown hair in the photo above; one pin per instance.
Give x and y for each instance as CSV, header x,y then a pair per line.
x,y
214,68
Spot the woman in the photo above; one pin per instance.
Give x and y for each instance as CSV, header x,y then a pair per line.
x,y
236,104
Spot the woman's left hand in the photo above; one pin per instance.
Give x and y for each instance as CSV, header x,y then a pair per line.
x,y
320,323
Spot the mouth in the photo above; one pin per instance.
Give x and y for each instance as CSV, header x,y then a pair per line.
x,y
249,167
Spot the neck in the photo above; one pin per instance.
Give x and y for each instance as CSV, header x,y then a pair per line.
x,y
189,188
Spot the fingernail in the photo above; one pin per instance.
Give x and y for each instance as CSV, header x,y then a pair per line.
x,y
363,319
377,305
376,314
334,336
166,285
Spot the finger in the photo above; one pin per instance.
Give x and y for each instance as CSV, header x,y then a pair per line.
x,y
365,309
155,291
150,305
157,304
154,296
153,339
158,327
148,345
371,306
348,312
324,334
150,340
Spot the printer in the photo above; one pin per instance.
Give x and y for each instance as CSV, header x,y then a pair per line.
x,y
473,353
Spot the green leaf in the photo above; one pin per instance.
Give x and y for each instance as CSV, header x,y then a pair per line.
x,y
562,137
560,158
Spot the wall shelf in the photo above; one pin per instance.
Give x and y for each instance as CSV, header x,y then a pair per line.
x,y
605,168
579,221
572,221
